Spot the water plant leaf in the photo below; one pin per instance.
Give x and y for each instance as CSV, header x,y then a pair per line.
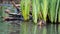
x,y
59,15
44,9
56,10
52,10
25,7
35,10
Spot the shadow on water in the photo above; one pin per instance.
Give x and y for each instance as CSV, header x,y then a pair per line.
x,y
28,28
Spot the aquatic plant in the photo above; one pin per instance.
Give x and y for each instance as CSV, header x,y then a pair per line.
x,y
57,6
25,7
59,12
52,10
35,10
59,15
44,9
40,9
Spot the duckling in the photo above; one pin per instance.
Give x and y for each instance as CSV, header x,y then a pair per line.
x,y
41,23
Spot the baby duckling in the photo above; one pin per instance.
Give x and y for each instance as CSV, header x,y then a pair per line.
x,y
41,23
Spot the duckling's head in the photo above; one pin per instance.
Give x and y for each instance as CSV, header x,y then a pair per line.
x,y
41,23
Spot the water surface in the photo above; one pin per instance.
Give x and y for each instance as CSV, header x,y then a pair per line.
x,y
17,27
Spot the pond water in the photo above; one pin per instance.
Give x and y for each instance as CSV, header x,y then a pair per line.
x,y
17,27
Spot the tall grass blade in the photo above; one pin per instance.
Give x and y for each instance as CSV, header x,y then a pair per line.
x,y
52,10
59,12
38,8
25,7
35,10
45,9
59,15
56,10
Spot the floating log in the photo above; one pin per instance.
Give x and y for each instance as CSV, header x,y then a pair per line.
x,y
15,15
14,19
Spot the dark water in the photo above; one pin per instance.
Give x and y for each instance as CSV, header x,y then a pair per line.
x,y
28,28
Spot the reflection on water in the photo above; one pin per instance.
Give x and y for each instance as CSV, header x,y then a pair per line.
x,y
28,28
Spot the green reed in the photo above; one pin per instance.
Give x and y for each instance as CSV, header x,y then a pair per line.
x,y
25,7
52,10
35,10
